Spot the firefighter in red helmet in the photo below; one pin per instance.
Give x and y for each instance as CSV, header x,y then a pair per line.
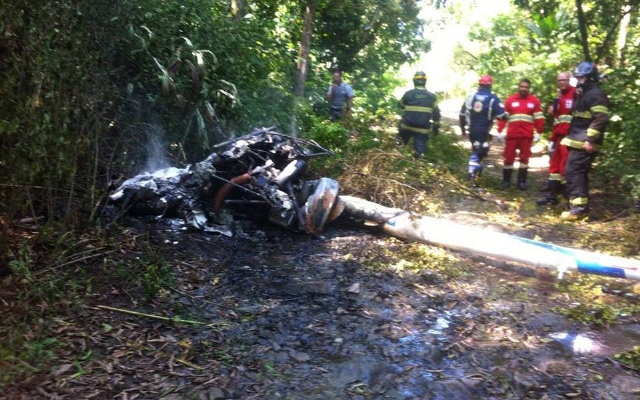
x,y
486,80
478,112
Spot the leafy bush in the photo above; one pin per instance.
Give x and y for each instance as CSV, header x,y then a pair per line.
x,y
618,164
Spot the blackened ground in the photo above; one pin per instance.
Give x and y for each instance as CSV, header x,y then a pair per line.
x,y
331,316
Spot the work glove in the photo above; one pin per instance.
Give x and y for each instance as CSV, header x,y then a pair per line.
x,y
551,147
536,138
501,137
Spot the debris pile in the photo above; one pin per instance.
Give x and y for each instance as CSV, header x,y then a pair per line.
x,y
261,172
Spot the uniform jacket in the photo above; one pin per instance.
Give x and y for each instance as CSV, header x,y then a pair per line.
x,y
562,106
420,109
479,110
524,116
590,117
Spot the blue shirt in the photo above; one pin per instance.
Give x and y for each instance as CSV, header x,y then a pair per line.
x,y
342,93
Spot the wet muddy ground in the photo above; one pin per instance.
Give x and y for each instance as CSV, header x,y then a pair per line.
x,y
270,314
332,316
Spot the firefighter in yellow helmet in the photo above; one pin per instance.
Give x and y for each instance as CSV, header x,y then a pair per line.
x,y
421,116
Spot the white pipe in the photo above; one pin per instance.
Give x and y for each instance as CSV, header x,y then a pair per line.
x,y
404,225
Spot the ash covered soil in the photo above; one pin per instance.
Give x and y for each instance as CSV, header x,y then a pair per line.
x,y
331,316
271,314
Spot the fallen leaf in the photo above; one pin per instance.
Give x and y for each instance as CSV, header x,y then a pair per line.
x,y
63,369
355,288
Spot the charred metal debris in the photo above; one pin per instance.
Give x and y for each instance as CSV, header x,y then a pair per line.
x,y
261,173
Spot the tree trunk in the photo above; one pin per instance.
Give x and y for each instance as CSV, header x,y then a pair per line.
x,y
584,36
238,9
622,33
620,27
305,46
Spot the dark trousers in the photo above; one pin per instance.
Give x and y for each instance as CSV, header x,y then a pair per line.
x,y
420,141
335,113
577,174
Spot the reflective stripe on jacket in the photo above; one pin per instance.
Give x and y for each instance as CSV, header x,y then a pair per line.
x,y
590,117
524,116
562,113
480,109
420,110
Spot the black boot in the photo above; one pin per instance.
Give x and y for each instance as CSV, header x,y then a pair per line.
x,y
562,189
506,177
547,185
550,199
522,178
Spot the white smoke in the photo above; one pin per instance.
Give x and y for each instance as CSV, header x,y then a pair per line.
x,y
156,158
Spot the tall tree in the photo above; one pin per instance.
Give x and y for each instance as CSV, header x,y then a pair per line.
x,y
584,35
305,48
617,29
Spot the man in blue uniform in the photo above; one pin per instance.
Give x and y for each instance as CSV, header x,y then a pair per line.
x,y
340,97
478,111
420,117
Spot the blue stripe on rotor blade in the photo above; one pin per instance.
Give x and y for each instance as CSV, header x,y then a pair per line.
x,y
600,270
584,266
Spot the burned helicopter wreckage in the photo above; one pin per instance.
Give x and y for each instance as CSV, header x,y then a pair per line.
x,y
263,172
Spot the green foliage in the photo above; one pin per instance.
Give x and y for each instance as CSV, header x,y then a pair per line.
x,y
618,163
372,36
511,51
421,258
22,262
155,277
597,314
331,135
631,358
20,357
150,273
592,308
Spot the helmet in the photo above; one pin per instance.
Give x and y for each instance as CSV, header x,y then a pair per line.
x,y
420,78
486,80
587,69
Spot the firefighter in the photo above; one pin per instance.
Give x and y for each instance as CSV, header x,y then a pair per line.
x,y
478,111
420,117
585,137
524,123
560,109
